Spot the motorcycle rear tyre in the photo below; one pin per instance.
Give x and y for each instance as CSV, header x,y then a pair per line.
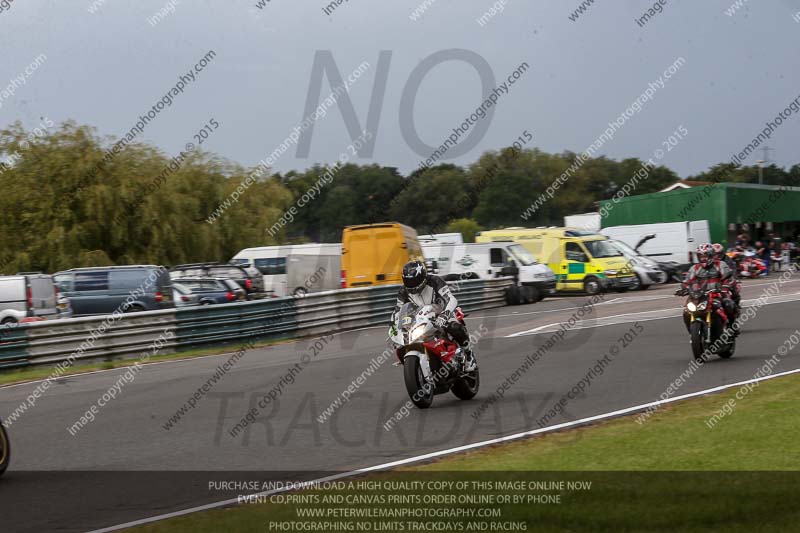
x,y
467,387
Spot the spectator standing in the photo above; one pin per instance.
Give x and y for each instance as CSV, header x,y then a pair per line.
x,y
762,252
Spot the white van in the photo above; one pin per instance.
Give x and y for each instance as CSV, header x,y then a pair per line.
x,y
441,238
585,221
294,269
490,260
28,295
673,241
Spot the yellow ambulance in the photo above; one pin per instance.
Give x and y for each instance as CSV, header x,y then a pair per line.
x,y
582,260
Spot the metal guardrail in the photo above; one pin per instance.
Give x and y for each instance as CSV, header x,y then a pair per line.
x,y
50,342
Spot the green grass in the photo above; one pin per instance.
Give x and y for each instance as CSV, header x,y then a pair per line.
x,y
33,373
671,473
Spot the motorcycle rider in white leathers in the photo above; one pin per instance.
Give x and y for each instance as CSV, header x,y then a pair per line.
x,y
421,288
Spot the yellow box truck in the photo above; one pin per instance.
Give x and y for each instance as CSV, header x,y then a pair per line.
x,y
582,260
374,254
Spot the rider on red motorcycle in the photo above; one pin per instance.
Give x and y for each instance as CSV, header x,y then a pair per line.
x,y
710,270
732,282
422,289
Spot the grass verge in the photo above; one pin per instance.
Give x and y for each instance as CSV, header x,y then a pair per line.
x,y
671,473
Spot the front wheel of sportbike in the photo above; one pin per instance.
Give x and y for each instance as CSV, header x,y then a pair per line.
x,y
696,332
5,449
420,394
466,387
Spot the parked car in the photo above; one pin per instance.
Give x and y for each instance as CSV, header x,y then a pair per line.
x,y
183,296
213,290
251,284
294,269
103,290
648,272
240,293
27,295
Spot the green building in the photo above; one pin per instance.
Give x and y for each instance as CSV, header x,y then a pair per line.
x,y
730,208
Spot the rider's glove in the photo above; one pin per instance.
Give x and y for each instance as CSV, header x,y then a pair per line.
x,y
392,330
681,292
441,321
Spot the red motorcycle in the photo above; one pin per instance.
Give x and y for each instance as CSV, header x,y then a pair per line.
x,y
748,265
706,319
432,363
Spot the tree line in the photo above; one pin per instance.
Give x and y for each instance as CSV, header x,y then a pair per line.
x,y
65,203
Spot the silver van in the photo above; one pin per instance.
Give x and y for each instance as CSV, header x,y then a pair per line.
x,y
27,295
103,290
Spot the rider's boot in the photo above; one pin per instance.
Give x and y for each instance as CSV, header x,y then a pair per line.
x,y
469,359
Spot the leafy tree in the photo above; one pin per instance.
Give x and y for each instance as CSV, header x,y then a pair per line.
x,y
432,198
66,203
465,226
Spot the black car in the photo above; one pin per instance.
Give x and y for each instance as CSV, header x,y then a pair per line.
x,y
250,284
213,290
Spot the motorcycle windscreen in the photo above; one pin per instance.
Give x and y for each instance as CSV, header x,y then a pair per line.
x,y
405,318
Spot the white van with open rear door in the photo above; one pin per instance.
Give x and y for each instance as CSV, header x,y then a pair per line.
x,y
672,241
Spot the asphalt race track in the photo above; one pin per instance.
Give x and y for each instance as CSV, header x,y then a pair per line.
x,y
126,466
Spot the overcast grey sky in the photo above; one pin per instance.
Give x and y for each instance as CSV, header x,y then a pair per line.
x,y
107,68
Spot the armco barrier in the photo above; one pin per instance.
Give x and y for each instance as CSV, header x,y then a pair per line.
x,y
54,341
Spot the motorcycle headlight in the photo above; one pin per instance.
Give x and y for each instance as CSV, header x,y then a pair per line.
x,y
417,332
691,307
702,306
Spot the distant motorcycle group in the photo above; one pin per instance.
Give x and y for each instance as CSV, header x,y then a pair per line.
x,y
748,265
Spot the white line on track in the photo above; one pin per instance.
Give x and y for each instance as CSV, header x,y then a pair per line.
x,y
641,316
458,449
